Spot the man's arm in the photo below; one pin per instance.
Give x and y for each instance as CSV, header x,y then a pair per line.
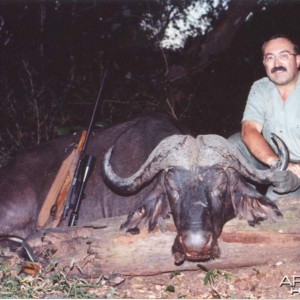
x,y
257,145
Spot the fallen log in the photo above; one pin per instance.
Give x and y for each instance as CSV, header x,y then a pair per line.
x,y
100,248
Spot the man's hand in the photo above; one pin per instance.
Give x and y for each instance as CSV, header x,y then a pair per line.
x,y
285,181
295,168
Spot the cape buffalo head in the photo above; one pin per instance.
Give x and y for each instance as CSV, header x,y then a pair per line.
x,y
201,179
202,200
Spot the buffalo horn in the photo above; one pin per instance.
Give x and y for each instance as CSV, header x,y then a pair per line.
x,y
187,152
283,152
174,151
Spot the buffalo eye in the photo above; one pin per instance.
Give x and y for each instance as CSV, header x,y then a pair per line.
x,y
216,193
219,191
222,187
173,194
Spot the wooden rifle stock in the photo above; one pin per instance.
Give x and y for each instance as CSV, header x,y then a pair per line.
x,y
82,169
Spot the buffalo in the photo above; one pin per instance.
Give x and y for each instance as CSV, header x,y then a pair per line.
x,y
25,182
202,179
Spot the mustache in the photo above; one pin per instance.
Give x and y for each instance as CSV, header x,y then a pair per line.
x,y
280,68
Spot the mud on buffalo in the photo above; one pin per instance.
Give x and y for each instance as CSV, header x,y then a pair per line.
x,y
178,175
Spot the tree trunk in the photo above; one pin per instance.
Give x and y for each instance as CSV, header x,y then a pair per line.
x,y
218,40
101,248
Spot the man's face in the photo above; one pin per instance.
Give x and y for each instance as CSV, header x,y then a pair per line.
x,y
280,61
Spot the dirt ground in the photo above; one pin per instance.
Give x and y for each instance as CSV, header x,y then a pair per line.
x,y
243,283
262,262
279,279
251,282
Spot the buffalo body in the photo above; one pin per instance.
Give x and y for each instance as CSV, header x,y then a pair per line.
x,y
25,182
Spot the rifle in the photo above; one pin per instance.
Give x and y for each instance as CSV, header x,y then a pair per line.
x,y
82,170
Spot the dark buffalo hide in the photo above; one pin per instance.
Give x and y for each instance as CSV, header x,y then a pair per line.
x,y
201,179
25,182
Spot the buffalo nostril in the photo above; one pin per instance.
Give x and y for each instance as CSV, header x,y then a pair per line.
x,y
179,258
195,246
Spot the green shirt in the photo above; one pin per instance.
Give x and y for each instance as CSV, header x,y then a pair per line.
x,y
265,107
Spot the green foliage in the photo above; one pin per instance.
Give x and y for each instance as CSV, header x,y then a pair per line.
x,y
170,288
31,111
174,274
212,274
54,58
51,84
227,276
51,282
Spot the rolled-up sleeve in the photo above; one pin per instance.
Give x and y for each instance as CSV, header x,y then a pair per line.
x,y
255,109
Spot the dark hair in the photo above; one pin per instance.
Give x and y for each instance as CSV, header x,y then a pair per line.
x,y
282,36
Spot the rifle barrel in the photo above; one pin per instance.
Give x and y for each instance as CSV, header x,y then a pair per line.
x,y
74,216
94,112
79,167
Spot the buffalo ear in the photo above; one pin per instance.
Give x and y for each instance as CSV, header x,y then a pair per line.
x,y
255,209
148,210
158,211
248,203
134,218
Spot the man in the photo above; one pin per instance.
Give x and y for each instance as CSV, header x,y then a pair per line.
x,y
273,105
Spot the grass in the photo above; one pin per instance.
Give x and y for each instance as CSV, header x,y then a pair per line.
x,y
50,282
18,285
